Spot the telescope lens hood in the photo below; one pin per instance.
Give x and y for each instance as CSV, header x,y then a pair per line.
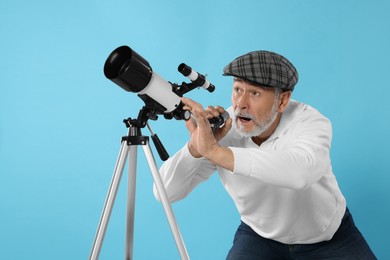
x,y
128,69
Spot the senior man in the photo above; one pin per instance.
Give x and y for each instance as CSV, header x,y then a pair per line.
x,y
273,158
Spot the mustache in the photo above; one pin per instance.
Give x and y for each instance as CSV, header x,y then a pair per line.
x,y
240,113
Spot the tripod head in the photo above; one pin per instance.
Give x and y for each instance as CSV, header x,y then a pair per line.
x,y
135,137
141,121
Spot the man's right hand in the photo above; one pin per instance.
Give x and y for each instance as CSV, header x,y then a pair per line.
x,y
202,137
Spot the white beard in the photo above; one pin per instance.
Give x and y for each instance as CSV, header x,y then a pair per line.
x,y
259,127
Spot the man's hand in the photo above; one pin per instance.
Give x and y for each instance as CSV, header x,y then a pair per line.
x,y
203,142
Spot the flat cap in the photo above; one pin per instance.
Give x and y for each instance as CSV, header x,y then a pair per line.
x,y
264,68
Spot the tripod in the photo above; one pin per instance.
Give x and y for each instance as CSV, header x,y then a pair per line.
x,y
129,146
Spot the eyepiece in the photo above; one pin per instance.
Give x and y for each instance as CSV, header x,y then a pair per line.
x,y
184,69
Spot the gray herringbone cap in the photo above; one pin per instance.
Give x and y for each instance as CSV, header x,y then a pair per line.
x,y
264,68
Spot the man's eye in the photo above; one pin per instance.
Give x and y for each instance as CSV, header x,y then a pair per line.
x,y
255,93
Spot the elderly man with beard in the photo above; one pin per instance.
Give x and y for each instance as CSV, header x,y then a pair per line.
x,y
273,158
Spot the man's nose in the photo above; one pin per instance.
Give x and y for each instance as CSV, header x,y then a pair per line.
x,y
243,101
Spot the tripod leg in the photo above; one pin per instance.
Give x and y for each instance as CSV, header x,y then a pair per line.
x,y
164,199
131,202
116,178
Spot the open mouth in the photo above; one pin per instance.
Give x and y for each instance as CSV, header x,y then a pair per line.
x,y
244,119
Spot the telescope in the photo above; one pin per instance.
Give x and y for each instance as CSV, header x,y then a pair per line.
x,y
133,73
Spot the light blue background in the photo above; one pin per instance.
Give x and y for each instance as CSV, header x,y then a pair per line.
x,y
61,119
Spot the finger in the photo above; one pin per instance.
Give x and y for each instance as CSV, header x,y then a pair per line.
x,y
220,109
225,129
202,118
191,125
186,101
190,103
228,124
213,112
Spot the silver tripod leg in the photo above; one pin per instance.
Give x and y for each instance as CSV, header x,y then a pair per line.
x,y
166,205
113,190
131,203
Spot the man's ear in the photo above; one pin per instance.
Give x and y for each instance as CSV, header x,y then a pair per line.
x,y
284,99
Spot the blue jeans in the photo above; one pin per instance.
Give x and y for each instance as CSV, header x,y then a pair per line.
x,y
347,243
